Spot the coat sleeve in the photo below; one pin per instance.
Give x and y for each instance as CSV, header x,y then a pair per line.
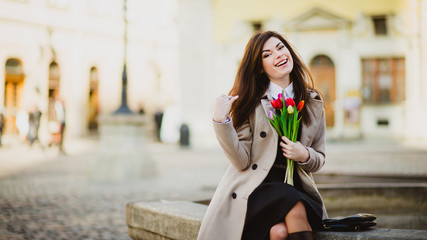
x,y
317,148
236,144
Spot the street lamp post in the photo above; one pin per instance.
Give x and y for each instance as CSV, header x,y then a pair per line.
x,y
122,152
124,109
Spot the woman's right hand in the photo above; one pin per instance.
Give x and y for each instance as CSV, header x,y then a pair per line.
x,y
223,107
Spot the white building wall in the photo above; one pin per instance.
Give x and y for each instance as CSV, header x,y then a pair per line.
x,y
85,34
196,64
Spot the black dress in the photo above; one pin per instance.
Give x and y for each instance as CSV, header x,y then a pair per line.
x,y
271,201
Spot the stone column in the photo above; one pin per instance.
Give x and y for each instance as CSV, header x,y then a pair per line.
x,y
122,152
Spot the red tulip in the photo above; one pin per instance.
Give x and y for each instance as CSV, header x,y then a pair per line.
x,y
300,105
277,104
290,102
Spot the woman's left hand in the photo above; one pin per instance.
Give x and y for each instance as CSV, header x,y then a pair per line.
x,y
294,150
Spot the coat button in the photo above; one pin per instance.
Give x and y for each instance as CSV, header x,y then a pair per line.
x,y
263,134
234,195
254,166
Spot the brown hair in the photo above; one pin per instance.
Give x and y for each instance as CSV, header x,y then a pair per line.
x,y
251,81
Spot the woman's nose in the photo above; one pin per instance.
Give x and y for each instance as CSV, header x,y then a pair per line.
x,y
277,54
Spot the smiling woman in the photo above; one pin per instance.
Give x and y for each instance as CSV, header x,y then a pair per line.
x,y
252,200
277,62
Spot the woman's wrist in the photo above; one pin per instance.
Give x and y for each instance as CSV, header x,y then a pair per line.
x,y
306,157
221,120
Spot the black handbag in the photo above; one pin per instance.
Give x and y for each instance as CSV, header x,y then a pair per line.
x,y
356,222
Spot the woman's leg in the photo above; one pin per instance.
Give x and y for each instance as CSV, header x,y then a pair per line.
x,y
296,219
297,223
279,232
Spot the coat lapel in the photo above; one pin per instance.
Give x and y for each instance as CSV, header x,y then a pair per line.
x,y
308,131
266,105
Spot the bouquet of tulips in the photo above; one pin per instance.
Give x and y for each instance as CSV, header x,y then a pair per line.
x,y
286,123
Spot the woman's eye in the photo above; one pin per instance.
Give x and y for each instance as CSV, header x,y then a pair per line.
x,y
281,47
266,55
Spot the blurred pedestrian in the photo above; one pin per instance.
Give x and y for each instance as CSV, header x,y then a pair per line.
x,y
1,125
158,116
22,124
171,122
34,125
252,201
56,123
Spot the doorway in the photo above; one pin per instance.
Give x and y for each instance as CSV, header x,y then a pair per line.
x,y
323,71
14,84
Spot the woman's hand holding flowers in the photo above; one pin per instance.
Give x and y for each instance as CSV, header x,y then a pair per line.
x,y
223,107
294,150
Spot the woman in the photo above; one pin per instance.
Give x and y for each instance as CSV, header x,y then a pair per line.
x,y
252,201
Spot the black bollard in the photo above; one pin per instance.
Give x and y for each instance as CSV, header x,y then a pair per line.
x,y
158,117
184,138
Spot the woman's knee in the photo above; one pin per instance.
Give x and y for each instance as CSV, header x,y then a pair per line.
x,y
279,232
298,211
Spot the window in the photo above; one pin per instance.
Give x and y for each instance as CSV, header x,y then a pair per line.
x,y
257,26
54,76
380,25
383,80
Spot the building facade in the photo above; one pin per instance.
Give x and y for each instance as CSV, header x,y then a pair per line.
x,y
368,58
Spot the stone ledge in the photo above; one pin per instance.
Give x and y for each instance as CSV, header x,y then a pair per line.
x,y
180,220
164,219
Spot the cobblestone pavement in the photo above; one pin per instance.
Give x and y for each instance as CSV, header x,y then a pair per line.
x,y
46,196
55,198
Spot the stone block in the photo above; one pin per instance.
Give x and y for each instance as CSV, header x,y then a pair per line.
x,y
165,220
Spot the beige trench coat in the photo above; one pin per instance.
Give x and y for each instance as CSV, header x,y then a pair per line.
x,y
251,151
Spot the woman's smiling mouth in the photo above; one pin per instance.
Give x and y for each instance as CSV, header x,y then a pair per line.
x,y
281,63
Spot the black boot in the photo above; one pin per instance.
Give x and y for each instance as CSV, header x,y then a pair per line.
x,y
305,235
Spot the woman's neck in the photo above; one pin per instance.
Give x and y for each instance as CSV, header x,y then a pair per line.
x,y
283,83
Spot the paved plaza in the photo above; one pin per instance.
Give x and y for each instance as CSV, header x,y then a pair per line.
x,y
44,195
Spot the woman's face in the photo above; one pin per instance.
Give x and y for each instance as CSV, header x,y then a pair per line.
x,y
277,61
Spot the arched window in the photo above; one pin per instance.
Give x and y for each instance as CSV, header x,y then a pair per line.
x,y
54,76
14,67
93,78
321,60
93,100
54,84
